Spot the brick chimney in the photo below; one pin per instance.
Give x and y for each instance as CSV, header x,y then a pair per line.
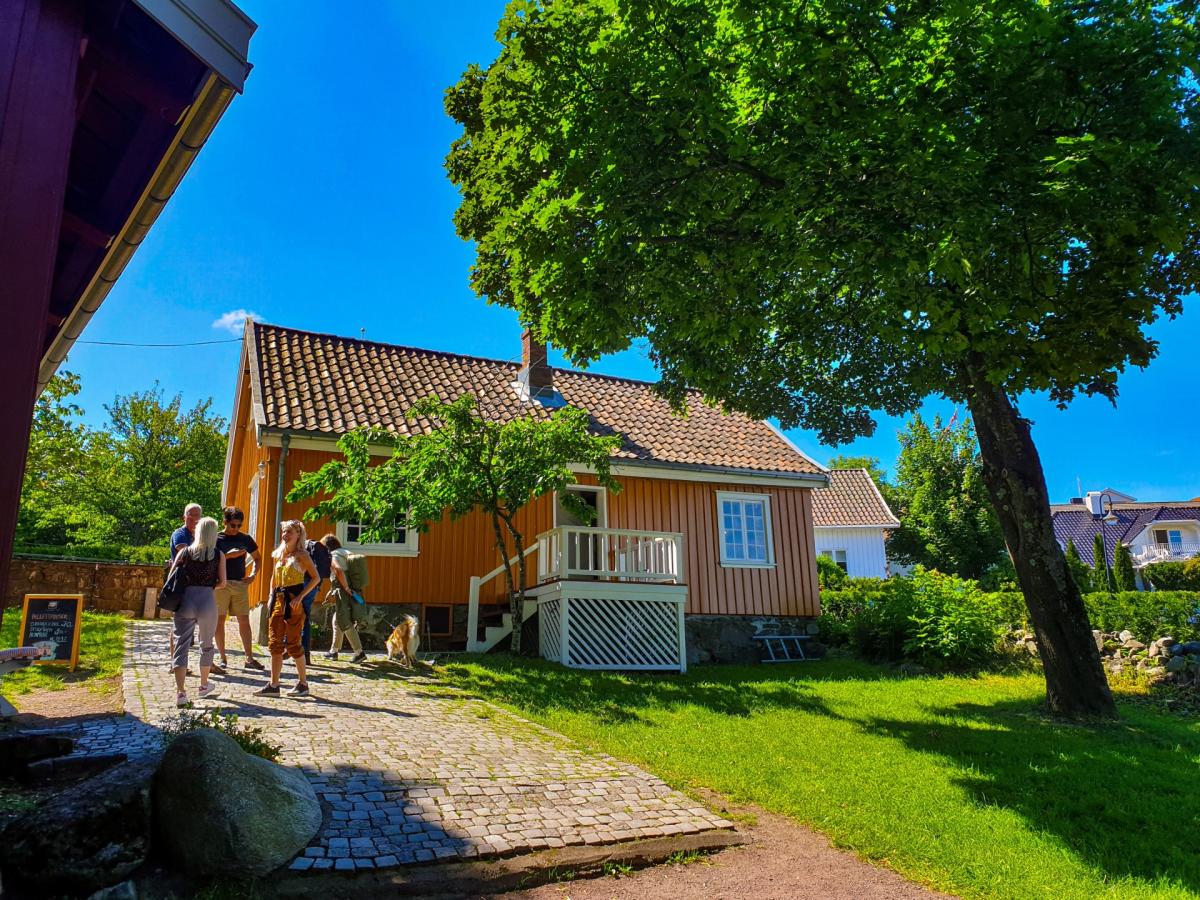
x,y
535,374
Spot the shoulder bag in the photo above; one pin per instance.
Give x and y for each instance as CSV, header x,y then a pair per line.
x,y
170,595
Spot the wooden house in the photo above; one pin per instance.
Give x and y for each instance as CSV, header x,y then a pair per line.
x,y
714,522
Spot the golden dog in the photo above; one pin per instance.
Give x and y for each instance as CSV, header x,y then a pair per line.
x,y
403,642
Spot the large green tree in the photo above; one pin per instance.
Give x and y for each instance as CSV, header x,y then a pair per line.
x,y
818,208
941,499
152,459
55,466
465,462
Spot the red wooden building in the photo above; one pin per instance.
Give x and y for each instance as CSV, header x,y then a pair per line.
x,y
714,519
104,104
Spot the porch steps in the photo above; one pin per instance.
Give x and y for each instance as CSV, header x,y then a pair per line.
x,y
494,634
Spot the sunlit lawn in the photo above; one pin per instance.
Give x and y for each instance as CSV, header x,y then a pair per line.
x,y
956,782
101,650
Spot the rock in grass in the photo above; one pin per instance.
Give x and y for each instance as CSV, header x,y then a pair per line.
x,y
1190,647
88,837
1177,664
222,811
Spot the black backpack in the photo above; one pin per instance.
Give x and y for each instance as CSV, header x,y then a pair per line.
x,y
320,557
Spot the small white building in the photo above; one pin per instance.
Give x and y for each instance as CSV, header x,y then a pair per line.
x,y
1165,531
851,521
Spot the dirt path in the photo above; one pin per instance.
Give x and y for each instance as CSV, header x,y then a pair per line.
x,y
46,709
780,861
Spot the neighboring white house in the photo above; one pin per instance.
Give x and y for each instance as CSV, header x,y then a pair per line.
x,y
1168,531
851,522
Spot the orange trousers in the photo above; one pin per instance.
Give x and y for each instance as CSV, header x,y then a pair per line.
x,y
284,634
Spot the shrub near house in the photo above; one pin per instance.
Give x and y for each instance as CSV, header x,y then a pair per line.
x,y
943,621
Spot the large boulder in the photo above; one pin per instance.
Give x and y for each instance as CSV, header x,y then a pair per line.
x,y
222,811
86,837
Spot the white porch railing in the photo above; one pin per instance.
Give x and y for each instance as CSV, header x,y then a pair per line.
x,y
574,551
1166,553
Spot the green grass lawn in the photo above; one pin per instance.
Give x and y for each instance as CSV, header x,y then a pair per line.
x,y
101,650
957,782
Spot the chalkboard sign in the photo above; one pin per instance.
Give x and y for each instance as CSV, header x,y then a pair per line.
x,y
52,621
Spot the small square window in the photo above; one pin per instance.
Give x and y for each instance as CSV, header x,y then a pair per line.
x,y
403,540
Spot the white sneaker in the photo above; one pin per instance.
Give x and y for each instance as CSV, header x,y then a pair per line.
x,y
208,691
181,700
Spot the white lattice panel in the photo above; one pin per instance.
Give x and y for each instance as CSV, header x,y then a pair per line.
x,y
550,629
616,633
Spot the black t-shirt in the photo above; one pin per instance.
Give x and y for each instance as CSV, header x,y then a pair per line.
x,y
230,544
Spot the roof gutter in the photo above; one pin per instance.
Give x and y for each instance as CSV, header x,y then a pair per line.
x,y
202,117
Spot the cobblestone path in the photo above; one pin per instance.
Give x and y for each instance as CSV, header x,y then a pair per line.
x,y
407,773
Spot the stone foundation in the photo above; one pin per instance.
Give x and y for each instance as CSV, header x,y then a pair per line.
x,y
106,586
730,639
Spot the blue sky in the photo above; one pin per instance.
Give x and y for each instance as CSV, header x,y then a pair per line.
x,y
320,202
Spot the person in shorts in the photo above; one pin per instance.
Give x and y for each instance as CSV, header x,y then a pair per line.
x,y
234,598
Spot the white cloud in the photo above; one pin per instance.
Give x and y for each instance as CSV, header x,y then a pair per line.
x,y
234,321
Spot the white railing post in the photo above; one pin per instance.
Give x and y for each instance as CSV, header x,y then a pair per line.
x,y
473,615
682,639
564,631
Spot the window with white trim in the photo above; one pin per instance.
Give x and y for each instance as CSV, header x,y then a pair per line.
x,y
745,523
252,513
403,542
838,556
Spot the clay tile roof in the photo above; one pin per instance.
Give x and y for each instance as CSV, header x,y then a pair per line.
x,y
851,499
319,383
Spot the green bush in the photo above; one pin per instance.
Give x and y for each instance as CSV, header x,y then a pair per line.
x,y
1174,576
951,621
250,738
1148,614
829,574
153,555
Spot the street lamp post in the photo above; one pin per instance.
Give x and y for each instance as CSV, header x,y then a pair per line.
x,y
1107,519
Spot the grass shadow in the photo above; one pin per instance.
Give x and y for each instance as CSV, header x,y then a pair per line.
x,y
1122,796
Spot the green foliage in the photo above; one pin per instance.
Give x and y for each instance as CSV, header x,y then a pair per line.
x,y
936,619
829,574
1174,576
717,177
56,462
1101,573
464,463
1077,567
1148,614
1000,575
250,738
123,485
1123,575
946,518
154,554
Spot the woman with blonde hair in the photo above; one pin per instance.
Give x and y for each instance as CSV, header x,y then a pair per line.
x,y
292,574
203,570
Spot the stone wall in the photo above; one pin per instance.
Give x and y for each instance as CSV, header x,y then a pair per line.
x,y
730,639
106,586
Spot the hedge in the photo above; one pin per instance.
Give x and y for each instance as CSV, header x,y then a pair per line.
x,y
913,618
1174,576
153,555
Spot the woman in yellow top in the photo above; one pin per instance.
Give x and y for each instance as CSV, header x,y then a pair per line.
x,y
292,574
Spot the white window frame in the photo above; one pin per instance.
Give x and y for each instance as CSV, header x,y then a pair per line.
x,y
741,497
252,509
844,562
601,503
408,548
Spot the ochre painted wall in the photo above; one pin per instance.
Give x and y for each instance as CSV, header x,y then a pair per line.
x,y
451,552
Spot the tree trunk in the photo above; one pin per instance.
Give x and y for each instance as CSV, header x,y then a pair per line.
x,y
508,578
1075,681
518,597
